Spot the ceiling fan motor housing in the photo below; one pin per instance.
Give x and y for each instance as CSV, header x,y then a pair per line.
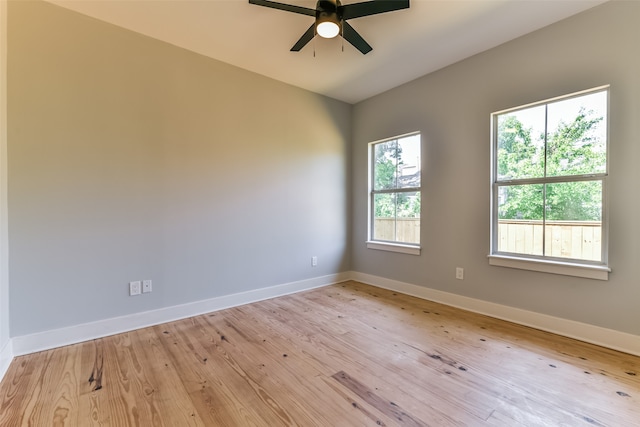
x,y
329,10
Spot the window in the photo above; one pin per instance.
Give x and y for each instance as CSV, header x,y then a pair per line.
x,y
394,197
549,176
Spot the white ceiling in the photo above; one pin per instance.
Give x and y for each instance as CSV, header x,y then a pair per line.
x,y
407,44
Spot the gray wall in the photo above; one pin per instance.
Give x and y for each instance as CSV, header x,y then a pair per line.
x,y
451,108
132,159
4,275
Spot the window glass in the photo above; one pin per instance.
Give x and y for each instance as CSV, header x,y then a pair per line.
x,y
574,220
576,135
521,144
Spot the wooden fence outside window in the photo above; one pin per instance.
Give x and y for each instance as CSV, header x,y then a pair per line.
x,y
565,239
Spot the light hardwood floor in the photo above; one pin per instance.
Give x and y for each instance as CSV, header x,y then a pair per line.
x,y
343,355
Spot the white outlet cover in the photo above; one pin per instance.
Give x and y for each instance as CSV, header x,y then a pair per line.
x,y
135,288
147,286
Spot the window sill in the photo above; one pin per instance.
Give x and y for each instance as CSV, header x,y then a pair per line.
x,y
596,272
394,247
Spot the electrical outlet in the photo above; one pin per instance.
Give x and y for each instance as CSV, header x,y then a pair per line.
x,y
459,273
146,286
314,261
135,288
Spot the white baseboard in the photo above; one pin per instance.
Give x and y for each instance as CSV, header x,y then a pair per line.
x,y
604,337
6,356
26,344
32,343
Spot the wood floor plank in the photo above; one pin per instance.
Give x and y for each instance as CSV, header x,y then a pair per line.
x,y
90,365
342,355
168,391
21,388
123,389
385,406
64,400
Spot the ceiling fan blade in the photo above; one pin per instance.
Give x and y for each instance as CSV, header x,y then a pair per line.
x,y
357,10
287,7
306,38
352,36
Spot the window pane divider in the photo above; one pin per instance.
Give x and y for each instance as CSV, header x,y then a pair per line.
x,y
553,179
396,190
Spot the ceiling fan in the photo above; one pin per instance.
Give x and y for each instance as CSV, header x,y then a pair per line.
x,y
331,18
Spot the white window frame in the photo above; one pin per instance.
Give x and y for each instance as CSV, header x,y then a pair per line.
x,y
385,245
571,267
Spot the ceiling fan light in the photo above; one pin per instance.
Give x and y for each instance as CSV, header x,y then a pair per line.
x,y
328,29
